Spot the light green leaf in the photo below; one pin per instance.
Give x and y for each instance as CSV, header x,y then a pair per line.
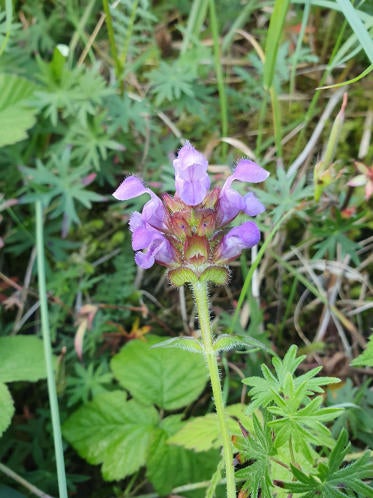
x,y
169,466
16,117
113,432
198,434
6,408
168,379
203,433
21,359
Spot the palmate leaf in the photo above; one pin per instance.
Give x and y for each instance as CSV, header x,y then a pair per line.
x,y
172,81
92,142
59,178
297,419
257,447
285,193
332,479
69,93
273,387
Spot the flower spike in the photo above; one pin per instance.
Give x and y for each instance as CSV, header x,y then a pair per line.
x,y
189,233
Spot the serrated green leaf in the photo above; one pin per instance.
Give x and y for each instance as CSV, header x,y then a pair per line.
x,y
21,359
168,379
114,432
169,466
333,478
203,433
15,116
6,408
199,434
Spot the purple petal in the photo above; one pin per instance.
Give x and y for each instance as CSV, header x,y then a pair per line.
x,y
191,179
131,187
136,221
237,239
144,260
248,171
154,212
142,238
188,156
253,206
230,204
192,189
156,248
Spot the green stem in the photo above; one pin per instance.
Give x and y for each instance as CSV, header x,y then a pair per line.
x,y
57,437
111,38
130,27
219,74
201,297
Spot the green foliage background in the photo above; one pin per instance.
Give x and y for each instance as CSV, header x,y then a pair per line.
x,y
91,92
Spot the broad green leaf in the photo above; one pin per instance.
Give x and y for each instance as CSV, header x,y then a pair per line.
x,y
198,434
6,408
114,432
21,359
169,466
203,433
167,378
15,116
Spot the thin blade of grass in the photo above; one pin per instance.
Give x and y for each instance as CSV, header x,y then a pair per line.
x,y
275,30
357,27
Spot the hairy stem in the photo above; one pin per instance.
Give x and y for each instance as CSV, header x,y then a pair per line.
x,y
201,297
55,416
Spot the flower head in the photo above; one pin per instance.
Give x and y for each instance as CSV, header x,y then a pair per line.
x,y
189,233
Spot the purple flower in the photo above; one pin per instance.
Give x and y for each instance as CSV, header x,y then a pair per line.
x,y
231,203
188,233
237,239
191,179
149,243
153,211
